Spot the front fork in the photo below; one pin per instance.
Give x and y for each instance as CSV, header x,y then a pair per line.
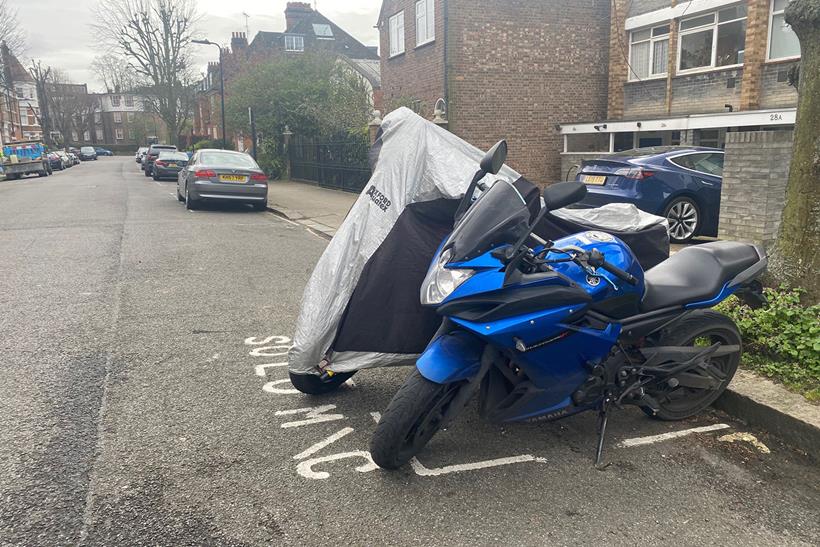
x,y
471,386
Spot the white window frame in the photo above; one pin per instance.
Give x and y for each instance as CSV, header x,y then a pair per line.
x,y
24,115
772,13
117,117
652,40
715,27
117,102
426,22
129,116
118,134
129,101
294,47
99,133
395,34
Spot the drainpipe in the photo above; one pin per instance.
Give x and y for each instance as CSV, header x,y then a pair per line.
x,y
446,60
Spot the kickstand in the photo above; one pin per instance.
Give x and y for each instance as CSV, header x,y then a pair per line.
x,y
603,415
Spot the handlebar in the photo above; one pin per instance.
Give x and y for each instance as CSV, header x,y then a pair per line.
x,y
596,259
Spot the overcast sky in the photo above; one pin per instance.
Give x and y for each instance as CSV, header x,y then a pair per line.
x,y
58,31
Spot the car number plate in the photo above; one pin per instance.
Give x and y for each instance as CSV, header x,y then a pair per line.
x,y
232,178
172,165
593,179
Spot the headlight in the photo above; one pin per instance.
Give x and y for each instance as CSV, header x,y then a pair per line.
x,y
441,282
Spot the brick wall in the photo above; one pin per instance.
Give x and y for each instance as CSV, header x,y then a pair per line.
x,y
706,92
417,75
775,90
754,185
639,7
518,68
646,98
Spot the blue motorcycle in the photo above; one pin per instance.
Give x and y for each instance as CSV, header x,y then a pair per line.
x,y
546,330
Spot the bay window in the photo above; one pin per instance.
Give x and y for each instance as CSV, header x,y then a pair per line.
x,y
713,40
396,26
648,52
783,42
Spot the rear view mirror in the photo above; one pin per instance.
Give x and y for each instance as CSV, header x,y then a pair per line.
x,y
558,196
494,158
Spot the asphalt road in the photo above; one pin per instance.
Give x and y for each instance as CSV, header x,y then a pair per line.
x,y
135,408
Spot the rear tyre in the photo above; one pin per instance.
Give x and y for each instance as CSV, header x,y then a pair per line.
x,y
412,418
155,176
700,328
190,203
259,206
180,197
684,219
147,172
312,384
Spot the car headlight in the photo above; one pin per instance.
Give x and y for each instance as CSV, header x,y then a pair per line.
x,y
441,282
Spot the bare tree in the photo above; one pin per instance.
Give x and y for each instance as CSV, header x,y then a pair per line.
x,y
65,101
115,73
10,30
155,35
795,259
42,78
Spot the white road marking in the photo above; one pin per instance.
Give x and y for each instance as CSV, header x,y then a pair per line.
x,y
265,351
305,468
746,437
314,415
279,340
640,441
260,369
270,387
321,444
423,471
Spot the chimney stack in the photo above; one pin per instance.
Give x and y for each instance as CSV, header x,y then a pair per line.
x,y
296,12
239,41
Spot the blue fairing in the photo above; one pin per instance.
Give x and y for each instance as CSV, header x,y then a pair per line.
x,y
559,351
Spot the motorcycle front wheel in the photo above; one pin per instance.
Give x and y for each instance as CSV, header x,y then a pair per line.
x,y
413,416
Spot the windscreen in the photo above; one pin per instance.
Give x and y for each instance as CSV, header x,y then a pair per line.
x,y
499,216
228,159
178,156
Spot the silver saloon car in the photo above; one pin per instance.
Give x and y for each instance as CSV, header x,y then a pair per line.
x,y
222,175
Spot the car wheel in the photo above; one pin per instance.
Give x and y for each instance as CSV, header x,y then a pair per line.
x,y
155,176
180,197
684,219
190,203
259,206
147,173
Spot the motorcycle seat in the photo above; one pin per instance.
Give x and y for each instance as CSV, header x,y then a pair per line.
x,y
696,273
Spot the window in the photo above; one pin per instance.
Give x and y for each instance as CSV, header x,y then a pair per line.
x,y
294,43
783,41
74,136
710,163
131,135
649,52
115,100
24,116
130,116
99,133
322,31
713,40
117,117
396,26
118,133
708,137
86,136
129,101
97,117
20,92
425,22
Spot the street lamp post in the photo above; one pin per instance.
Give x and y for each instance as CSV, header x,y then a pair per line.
x,y
221,87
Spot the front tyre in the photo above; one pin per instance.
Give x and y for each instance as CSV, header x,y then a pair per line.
x,y
313,384
413,416
683,215
701,328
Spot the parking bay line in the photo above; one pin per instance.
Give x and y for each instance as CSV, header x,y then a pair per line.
x,y
640,441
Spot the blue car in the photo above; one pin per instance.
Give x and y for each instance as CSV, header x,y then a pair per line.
x,y
679,183
103,151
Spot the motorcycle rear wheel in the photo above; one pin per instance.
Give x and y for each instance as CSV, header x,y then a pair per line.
x,y
413,416
700,328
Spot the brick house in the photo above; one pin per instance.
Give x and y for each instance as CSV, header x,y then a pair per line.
x,y
124,119
689,73
306,30
19,103
505,68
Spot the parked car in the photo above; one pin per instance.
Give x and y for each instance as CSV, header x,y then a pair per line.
x,y
67,161
75,160
103,151
87,153
169,164
677,182
56,161
222,175
140,153
152,154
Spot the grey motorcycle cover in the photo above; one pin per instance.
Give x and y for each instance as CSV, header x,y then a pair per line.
x,y
401,217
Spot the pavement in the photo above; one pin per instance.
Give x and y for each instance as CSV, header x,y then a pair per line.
x,y
144,400
320,209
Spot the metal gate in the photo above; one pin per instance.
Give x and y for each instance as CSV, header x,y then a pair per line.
x,y
339,164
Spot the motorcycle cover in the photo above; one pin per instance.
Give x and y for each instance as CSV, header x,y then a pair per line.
x,y
361,306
